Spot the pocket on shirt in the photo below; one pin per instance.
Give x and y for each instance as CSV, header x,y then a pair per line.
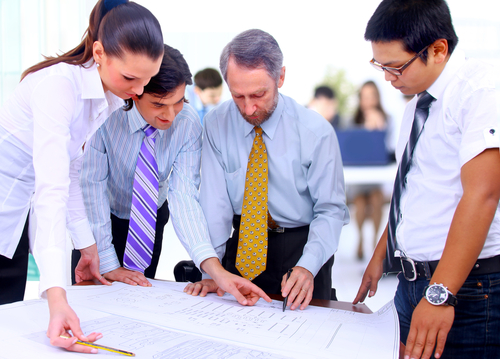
x,y
235,185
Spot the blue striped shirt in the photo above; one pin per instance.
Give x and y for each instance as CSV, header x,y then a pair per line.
x,y
107,178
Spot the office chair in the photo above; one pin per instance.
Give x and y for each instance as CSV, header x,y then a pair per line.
x,y
186,271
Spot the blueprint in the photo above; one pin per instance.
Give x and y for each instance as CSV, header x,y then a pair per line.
x,y
144,340
163,322
316,332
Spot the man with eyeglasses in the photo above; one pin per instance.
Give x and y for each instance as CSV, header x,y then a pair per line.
x,y
444,221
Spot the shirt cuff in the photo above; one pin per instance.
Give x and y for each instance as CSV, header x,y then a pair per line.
x,y
108,260
51,264
201,252
81,234
310,262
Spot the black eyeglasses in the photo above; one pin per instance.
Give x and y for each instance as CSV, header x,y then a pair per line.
x,y
396,71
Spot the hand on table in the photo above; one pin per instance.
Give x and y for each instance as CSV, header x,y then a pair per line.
x,y
63,319
245,292
430,325
299,288
127,276
88,266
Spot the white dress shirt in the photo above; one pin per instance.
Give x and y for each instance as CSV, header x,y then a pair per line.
x,y
462,123
107,180
306,179
44,125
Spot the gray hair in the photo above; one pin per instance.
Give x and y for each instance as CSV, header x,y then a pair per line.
x,y
253,49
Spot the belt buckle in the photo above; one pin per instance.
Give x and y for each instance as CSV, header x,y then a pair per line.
x,y
407,264
277,229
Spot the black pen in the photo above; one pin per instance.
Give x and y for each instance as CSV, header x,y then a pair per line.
x,y
286,298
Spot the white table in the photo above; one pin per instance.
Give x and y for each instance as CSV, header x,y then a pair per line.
x,y
383,175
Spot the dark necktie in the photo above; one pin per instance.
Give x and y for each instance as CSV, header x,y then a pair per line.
x,y
142,225
421,114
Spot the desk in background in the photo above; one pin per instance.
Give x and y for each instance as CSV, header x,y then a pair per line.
x,y
382,175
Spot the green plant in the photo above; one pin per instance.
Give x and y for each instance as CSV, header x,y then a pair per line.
x,y
344,89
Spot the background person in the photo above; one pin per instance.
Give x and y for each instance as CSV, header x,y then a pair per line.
x,y
368,199
325,103
44,125
206,92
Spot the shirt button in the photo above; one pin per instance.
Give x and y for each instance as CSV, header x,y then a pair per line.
x,y
401,216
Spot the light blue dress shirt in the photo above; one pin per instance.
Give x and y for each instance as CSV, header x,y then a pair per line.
x,y
195,102
306,180
107,179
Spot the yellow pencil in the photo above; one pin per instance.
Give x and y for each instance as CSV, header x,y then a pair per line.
x,y
97,346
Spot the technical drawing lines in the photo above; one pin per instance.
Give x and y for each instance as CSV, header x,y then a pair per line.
x,y
204,349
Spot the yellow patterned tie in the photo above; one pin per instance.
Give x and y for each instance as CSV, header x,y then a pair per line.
x,y
251,255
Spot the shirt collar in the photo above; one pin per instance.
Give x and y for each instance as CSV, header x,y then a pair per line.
x,y
91,82
136,122
92,88
456,60
269,126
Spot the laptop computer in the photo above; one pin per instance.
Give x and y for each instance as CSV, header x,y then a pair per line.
x,y
361,147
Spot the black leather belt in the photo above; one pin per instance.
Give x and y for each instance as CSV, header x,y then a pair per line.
x,y
237,221
413,270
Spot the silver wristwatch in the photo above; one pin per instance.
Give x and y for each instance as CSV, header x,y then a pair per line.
x,y
438,294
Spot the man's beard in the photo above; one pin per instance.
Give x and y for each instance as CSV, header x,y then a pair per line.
x,y
262,116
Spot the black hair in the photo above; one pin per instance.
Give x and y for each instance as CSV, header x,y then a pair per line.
x,y
174,71
208,78
120,26
417,23
324,91
359,117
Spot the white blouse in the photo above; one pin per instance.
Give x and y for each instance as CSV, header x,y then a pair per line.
x,y
43,127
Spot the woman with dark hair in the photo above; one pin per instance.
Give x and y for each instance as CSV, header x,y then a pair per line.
x,y
44,125
369,199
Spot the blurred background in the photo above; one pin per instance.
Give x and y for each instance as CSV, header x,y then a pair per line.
x,y
322,43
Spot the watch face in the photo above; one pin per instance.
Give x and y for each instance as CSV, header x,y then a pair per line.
x,y
436,295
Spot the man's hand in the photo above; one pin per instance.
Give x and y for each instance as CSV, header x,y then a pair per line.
x,y
203,287
245,292
430,325
369,283
63,319
127,276
88,266
299,288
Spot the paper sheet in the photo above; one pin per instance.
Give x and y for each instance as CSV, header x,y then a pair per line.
x,y
314,333
144,340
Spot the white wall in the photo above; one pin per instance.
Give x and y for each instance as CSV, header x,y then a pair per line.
x,y
313,36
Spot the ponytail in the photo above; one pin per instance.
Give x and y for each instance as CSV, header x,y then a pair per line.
x,y
120,26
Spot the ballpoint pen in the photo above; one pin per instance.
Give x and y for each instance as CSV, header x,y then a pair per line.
x,y
102,347
286,298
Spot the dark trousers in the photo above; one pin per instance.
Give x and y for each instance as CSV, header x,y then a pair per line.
x,y
283,252
14,272
119,231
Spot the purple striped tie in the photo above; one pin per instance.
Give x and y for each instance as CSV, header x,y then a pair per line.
x,y
142,227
